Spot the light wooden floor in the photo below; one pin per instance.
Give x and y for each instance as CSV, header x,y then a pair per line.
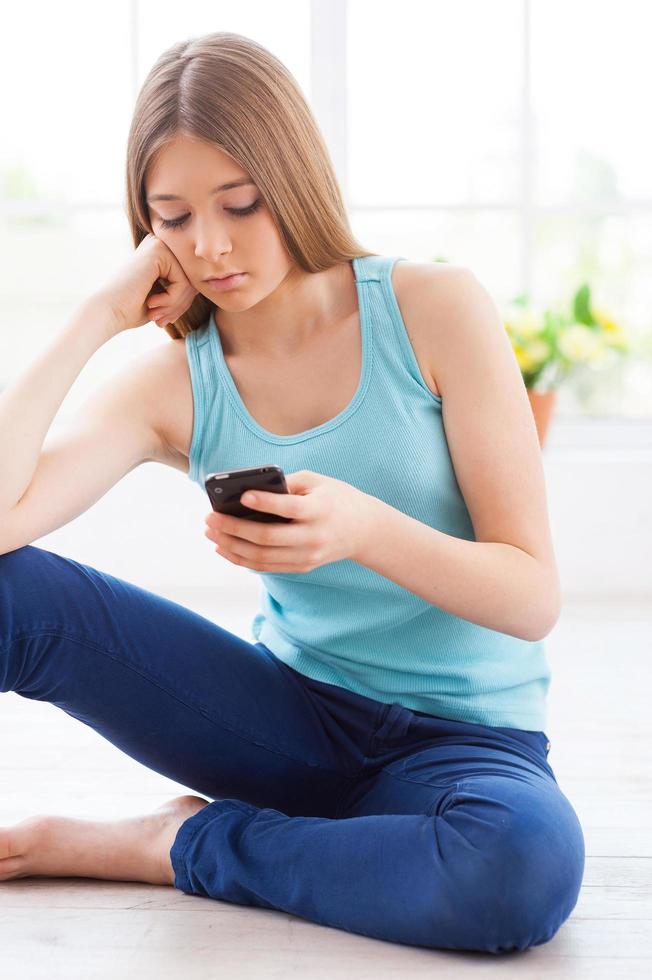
x,y
601,732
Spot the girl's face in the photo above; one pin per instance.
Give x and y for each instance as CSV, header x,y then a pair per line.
x,y
212,230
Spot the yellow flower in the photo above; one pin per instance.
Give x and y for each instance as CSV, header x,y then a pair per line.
x,y
579,344
524,323
605,322
615,336
521,357
532,355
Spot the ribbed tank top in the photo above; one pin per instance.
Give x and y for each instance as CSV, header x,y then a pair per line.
x,y
343,623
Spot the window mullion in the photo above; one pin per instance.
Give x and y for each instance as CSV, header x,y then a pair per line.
x,y
328,63
527,159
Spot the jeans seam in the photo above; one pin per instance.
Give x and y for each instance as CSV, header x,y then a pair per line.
x,y
60,634
420,782
374,738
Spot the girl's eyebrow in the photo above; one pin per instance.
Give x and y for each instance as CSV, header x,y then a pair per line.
x,y
216,190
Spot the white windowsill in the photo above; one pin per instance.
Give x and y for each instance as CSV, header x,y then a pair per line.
x,y
610,433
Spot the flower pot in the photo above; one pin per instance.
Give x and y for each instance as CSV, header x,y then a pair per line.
x,y
543,403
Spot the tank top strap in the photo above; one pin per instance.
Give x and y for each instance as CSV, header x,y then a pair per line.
x,y
374,268
395,361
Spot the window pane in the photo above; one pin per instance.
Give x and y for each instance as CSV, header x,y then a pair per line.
x,y
50,266
435,93
486,242
65,74
63,156
613,253
591,83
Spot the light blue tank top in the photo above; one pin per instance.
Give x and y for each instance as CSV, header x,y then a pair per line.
x,y
343,623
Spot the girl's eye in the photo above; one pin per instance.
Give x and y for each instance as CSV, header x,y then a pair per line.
x,y
236,212
243,212
173,222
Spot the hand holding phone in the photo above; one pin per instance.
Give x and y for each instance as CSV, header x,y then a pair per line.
x,y
225,489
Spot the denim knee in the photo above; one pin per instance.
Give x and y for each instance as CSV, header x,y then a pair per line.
x,y
516,869
538,868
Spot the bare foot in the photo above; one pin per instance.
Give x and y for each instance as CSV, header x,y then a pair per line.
x,y
133,849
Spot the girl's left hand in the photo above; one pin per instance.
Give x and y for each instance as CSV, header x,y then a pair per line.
x,y
329,522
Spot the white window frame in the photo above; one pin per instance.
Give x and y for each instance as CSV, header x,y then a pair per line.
x,y
329,96
329,101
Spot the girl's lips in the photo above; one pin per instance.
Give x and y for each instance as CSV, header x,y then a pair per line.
x,y
227,283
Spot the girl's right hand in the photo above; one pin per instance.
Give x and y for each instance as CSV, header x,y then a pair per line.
x,y
131,296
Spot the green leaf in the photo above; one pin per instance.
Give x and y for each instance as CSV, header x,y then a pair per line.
x,y
582,305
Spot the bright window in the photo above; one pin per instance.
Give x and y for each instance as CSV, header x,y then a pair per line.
x,y
510,136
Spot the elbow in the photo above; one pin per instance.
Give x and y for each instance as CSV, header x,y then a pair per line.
x,y
545,613
540,629
534,636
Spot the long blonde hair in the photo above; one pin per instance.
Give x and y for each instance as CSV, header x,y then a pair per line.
x,y
230,91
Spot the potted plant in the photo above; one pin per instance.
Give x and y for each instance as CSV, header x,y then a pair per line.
x,y
551,344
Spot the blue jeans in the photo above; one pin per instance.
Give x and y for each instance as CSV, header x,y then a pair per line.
x,y
347,811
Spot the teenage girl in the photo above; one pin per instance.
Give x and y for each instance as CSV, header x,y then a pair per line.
x,y
375,759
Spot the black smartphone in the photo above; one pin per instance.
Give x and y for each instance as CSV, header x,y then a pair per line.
x,y
225,489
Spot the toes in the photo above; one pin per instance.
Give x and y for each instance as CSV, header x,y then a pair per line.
x,y
13,867
12,862
16,841
8,846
